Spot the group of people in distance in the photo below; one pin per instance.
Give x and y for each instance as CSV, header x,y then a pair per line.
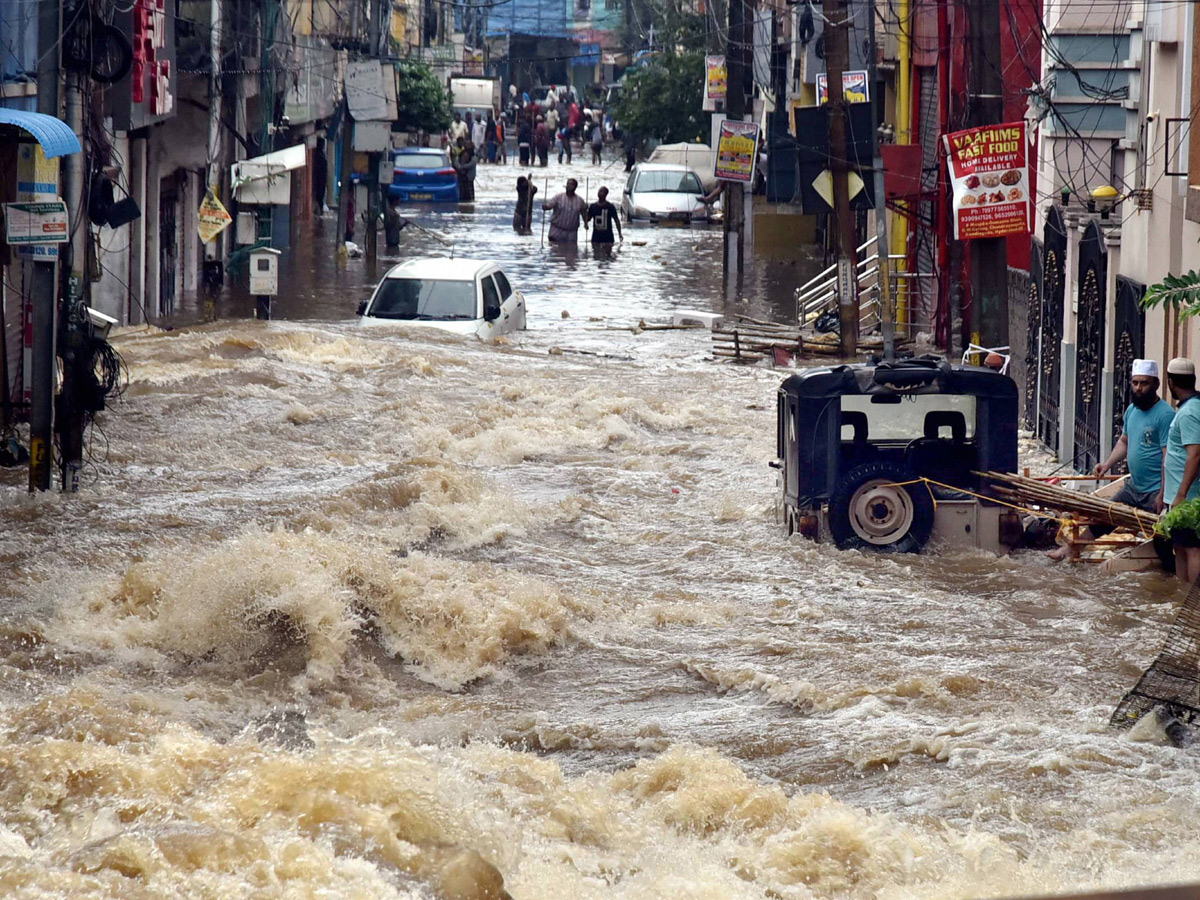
x,y
1161,447
567,212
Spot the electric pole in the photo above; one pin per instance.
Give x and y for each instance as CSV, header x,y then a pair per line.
x,y
989,256
735,111
43,294
837,59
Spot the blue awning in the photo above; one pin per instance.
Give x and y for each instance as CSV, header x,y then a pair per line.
x,y
55,136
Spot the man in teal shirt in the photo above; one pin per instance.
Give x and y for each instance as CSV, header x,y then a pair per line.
x,y
1142,443
1182,463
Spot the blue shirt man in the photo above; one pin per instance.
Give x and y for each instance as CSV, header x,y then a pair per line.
x,y
1145,432
1143,439
1182,465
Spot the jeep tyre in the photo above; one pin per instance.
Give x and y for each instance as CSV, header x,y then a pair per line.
x,y
874,508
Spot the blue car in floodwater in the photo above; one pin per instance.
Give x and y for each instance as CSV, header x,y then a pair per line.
x,y
423,173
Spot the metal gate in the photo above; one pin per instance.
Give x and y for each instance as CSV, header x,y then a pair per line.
x,y
1054,241
1130,338
1089,342
168,251
1033,310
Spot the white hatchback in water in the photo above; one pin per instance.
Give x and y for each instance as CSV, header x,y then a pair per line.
x,y
466,296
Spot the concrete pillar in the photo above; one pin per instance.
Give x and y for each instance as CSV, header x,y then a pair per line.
x,y
1108,375
136,297
153,188
1066,404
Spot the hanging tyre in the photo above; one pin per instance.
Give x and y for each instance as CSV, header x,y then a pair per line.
x,y
872,508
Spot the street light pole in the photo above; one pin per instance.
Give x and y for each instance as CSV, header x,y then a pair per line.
x,y
837,58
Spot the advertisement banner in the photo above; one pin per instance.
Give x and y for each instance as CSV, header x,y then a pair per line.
x,y
737,151
989,177
715,81
856,88
213,217
44,222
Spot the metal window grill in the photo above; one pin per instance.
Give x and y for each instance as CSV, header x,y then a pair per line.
x,y
1173,680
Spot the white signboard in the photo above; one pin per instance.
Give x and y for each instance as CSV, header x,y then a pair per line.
x,y
42,222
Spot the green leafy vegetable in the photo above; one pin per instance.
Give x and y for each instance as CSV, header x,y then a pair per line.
x,y
1184,517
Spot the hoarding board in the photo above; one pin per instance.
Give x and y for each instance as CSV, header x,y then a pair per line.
x,y
989,177
737,151
856,88
212,218
44,222
715,82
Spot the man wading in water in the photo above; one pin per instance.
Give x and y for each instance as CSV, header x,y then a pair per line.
x,y
1142,444
567,211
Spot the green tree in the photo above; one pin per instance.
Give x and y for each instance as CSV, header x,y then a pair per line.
x,y
422,102
663,99
1182,290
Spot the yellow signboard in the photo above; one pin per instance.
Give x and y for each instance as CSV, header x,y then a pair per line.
x,y
213,217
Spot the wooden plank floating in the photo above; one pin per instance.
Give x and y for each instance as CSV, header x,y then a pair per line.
x,y
749,339
1022,491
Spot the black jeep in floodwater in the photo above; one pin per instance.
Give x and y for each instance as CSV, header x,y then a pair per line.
x,y
883,457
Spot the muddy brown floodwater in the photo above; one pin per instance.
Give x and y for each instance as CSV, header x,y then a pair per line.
x,y
390,614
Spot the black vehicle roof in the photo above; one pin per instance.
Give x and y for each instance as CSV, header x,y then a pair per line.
x,y
924,375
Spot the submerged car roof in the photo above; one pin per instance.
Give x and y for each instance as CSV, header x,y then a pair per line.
x,y
424,151
924,375
440,268
664,167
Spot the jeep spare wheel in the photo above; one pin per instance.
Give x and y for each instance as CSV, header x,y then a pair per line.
x,y
881,506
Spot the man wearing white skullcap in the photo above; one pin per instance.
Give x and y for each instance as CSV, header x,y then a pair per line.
x,y
1142,444
1181,465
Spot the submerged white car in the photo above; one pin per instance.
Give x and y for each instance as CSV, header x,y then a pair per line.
x,y
664,192
465,296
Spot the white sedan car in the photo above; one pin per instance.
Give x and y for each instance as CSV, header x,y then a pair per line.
x,y
466,296
664,192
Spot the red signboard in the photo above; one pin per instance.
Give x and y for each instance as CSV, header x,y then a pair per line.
x,y
989,177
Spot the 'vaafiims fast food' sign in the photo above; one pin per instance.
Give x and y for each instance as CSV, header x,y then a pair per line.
x,y
989,177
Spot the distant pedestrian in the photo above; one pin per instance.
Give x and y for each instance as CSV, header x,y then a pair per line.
x,y
597,141
478,133
567,212
493,145
500,127
458,129
564,145
465,166
524,140
552,120
630,149
523,214
393,224
603,215
320,176
541,140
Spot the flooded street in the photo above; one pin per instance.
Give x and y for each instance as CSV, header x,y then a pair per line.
x,y
375,613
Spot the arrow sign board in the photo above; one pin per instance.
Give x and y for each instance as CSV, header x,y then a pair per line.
x,y
43,222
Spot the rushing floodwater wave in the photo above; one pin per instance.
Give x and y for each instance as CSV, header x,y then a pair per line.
x,y
392,614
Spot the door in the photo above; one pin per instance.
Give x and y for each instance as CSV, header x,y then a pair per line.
x,y
1130,344
1089,343
1054,253
1033,311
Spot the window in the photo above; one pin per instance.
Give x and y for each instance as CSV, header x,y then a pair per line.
x,y
906,420
421,161
491,299
423,298
612,4
668,182
505,287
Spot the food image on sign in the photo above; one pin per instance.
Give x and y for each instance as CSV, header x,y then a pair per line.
x,y
737,150
989,176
